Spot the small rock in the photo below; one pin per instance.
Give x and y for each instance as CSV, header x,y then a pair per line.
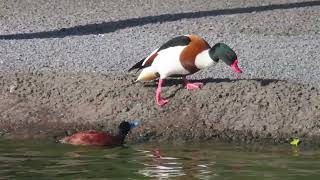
x,y
12,88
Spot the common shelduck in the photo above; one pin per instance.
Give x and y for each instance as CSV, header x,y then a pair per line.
x,y
182,56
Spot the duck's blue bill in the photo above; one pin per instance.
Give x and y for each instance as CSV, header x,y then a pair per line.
x,y
134,123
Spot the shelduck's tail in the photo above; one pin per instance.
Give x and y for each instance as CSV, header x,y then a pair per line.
x,y
148,74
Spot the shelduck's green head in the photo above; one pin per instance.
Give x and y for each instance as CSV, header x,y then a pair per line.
x,y
221,51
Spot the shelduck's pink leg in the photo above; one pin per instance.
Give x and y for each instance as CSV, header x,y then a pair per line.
x,y
192,86
159,100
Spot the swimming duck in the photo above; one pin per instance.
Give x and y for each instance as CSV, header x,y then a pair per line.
x,y
93,137
182,56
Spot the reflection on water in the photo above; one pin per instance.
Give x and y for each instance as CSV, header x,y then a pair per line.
x,y
163,167
160,166
45,160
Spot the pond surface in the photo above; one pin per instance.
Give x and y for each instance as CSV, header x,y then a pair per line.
x,y
47,160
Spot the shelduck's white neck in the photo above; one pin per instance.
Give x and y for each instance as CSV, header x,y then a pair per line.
x,y
203,60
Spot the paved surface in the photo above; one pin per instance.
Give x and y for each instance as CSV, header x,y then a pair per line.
x,y
272,41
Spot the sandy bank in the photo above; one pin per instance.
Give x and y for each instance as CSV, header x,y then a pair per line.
x,y
49,105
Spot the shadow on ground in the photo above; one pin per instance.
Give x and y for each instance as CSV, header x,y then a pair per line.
x,y
177,81
108,27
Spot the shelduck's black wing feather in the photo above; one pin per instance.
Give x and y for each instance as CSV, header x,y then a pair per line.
x,y
137,65
177,41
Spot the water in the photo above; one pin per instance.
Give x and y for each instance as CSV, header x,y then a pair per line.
x,y
46,160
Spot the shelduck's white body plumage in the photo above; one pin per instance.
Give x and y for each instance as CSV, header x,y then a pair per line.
x,y
165,64
168,63
203,60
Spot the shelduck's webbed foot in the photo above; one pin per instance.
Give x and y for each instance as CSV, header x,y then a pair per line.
x,y
192,86
162,102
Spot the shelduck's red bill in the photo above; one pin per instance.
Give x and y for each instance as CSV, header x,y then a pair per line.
x,y
235,67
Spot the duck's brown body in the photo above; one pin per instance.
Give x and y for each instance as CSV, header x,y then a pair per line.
x,y
92,137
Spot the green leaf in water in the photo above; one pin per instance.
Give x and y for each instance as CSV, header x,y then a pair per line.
x,y
295,142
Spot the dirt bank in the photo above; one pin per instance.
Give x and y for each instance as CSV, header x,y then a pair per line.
x,y
49,105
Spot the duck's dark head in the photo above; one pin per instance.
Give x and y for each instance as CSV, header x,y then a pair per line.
x,y
221,51
125,127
